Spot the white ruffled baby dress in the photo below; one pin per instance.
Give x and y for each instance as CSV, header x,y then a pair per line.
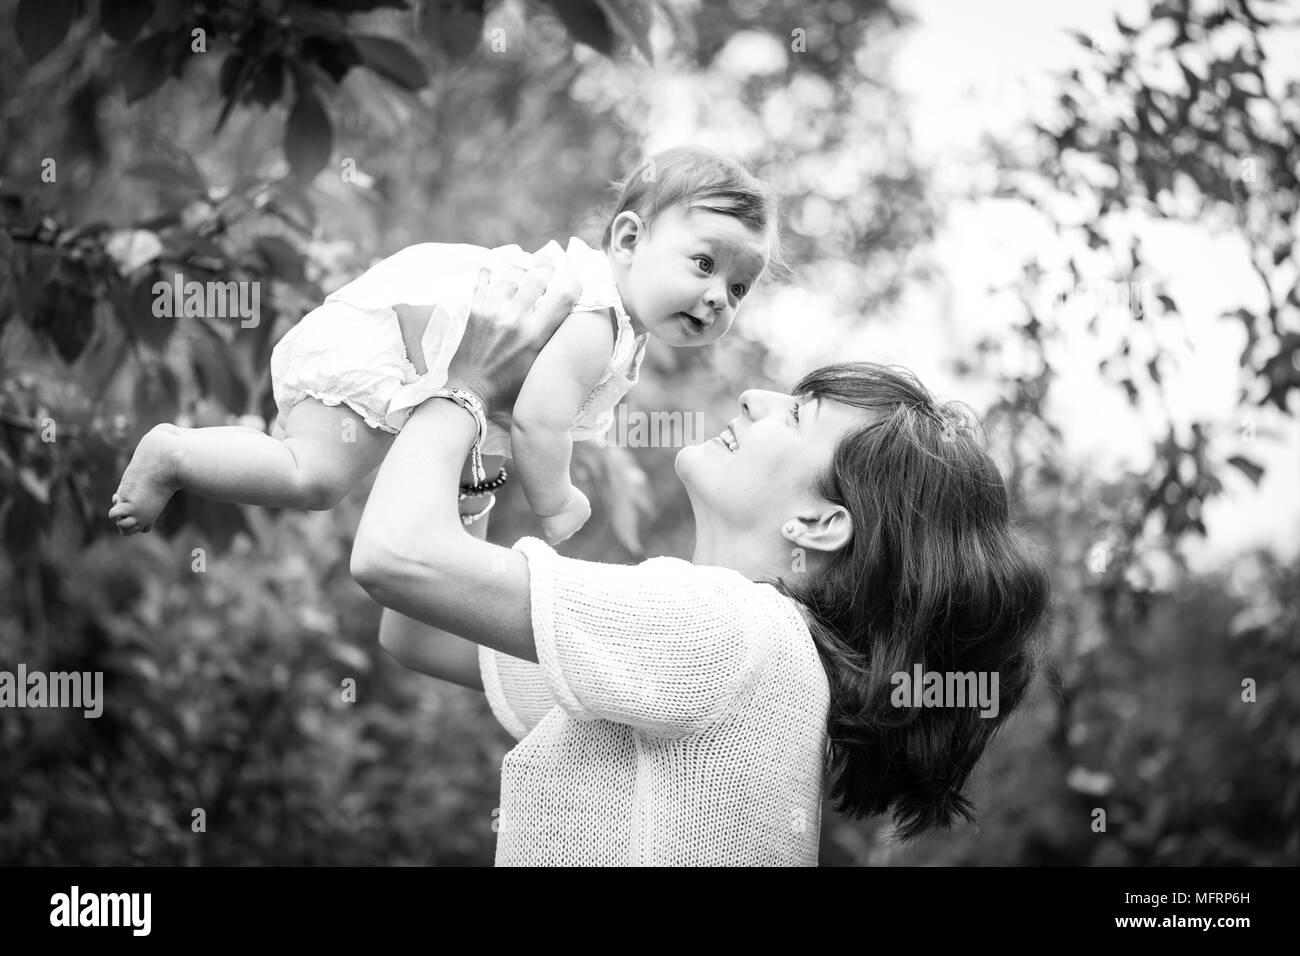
x,y
349,350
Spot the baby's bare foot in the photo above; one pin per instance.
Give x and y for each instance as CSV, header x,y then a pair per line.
x,y
148,482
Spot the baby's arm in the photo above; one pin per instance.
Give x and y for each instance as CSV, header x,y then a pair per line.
x,y
565,372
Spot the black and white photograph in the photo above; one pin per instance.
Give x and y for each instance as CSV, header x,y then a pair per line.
x,y
456,434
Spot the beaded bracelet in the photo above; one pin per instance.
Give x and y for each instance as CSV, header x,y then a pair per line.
x,y
471,489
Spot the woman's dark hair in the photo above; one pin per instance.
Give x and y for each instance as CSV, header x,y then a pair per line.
x,y
936,574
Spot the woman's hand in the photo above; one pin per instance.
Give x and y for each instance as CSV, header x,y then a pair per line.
x,y
516,309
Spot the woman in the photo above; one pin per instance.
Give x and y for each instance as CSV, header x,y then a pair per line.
x,y
680,712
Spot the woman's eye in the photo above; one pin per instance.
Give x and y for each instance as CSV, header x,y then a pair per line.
x,y
704,263
738,290
794,410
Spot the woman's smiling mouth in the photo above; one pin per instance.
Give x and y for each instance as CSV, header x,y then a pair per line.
x,y
728,438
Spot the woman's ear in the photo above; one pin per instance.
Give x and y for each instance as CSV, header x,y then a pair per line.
x,y
625,232
829,529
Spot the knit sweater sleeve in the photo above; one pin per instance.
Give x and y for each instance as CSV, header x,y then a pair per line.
x,y
664,646
516,691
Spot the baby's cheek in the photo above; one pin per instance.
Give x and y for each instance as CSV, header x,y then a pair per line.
x,y
633,300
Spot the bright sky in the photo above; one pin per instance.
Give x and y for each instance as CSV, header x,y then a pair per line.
x,y
970,70
976,68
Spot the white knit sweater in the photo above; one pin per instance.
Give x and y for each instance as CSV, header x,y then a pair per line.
x,y
677,716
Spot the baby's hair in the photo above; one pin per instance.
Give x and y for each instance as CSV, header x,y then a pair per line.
x,y
698,179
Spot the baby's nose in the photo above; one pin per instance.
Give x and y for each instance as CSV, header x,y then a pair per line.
x,y
716,297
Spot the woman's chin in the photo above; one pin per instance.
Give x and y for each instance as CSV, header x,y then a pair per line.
x,y
689,460
682,460
700,469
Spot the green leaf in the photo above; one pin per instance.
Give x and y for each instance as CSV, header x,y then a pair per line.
x,y
156,394
228,78
392,60
334,53
216,370
587,22
281,259
41,25
144,65
134,305
37,486
231,80
25,523
65,315
268,83
124,19
453,26
1248,468
308,135
1170,10
631,20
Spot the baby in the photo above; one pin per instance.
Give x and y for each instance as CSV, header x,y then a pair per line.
x,y
690,235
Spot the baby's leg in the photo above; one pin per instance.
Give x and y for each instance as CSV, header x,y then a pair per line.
x,y
325,451
412,320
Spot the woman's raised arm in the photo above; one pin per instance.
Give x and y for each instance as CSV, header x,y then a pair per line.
x,y
411,552
430,650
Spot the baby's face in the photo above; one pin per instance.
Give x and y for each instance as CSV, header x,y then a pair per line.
x,y
684,278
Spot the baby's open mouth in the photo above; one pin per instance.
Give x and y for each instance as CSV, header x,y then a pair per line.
x,y
698,324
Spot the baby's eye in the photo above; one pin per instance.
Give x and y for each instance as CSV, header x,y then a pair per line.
x,y
705,263
739,290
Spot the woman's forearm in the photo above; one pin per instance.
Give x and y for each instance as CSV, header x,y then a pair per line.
x,y
413,555
430,650
413,502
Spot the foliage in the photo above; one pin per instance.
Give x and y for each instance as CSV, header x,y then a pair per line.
x,y
1174,121
1146,723
225,694
1141,711
315,137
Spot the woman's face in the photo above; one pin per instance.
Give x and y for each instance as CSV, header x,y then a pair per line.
x,y
760,471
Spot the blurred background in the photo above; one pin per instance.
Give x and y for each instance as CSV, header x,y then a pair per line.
x,y
1079,218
